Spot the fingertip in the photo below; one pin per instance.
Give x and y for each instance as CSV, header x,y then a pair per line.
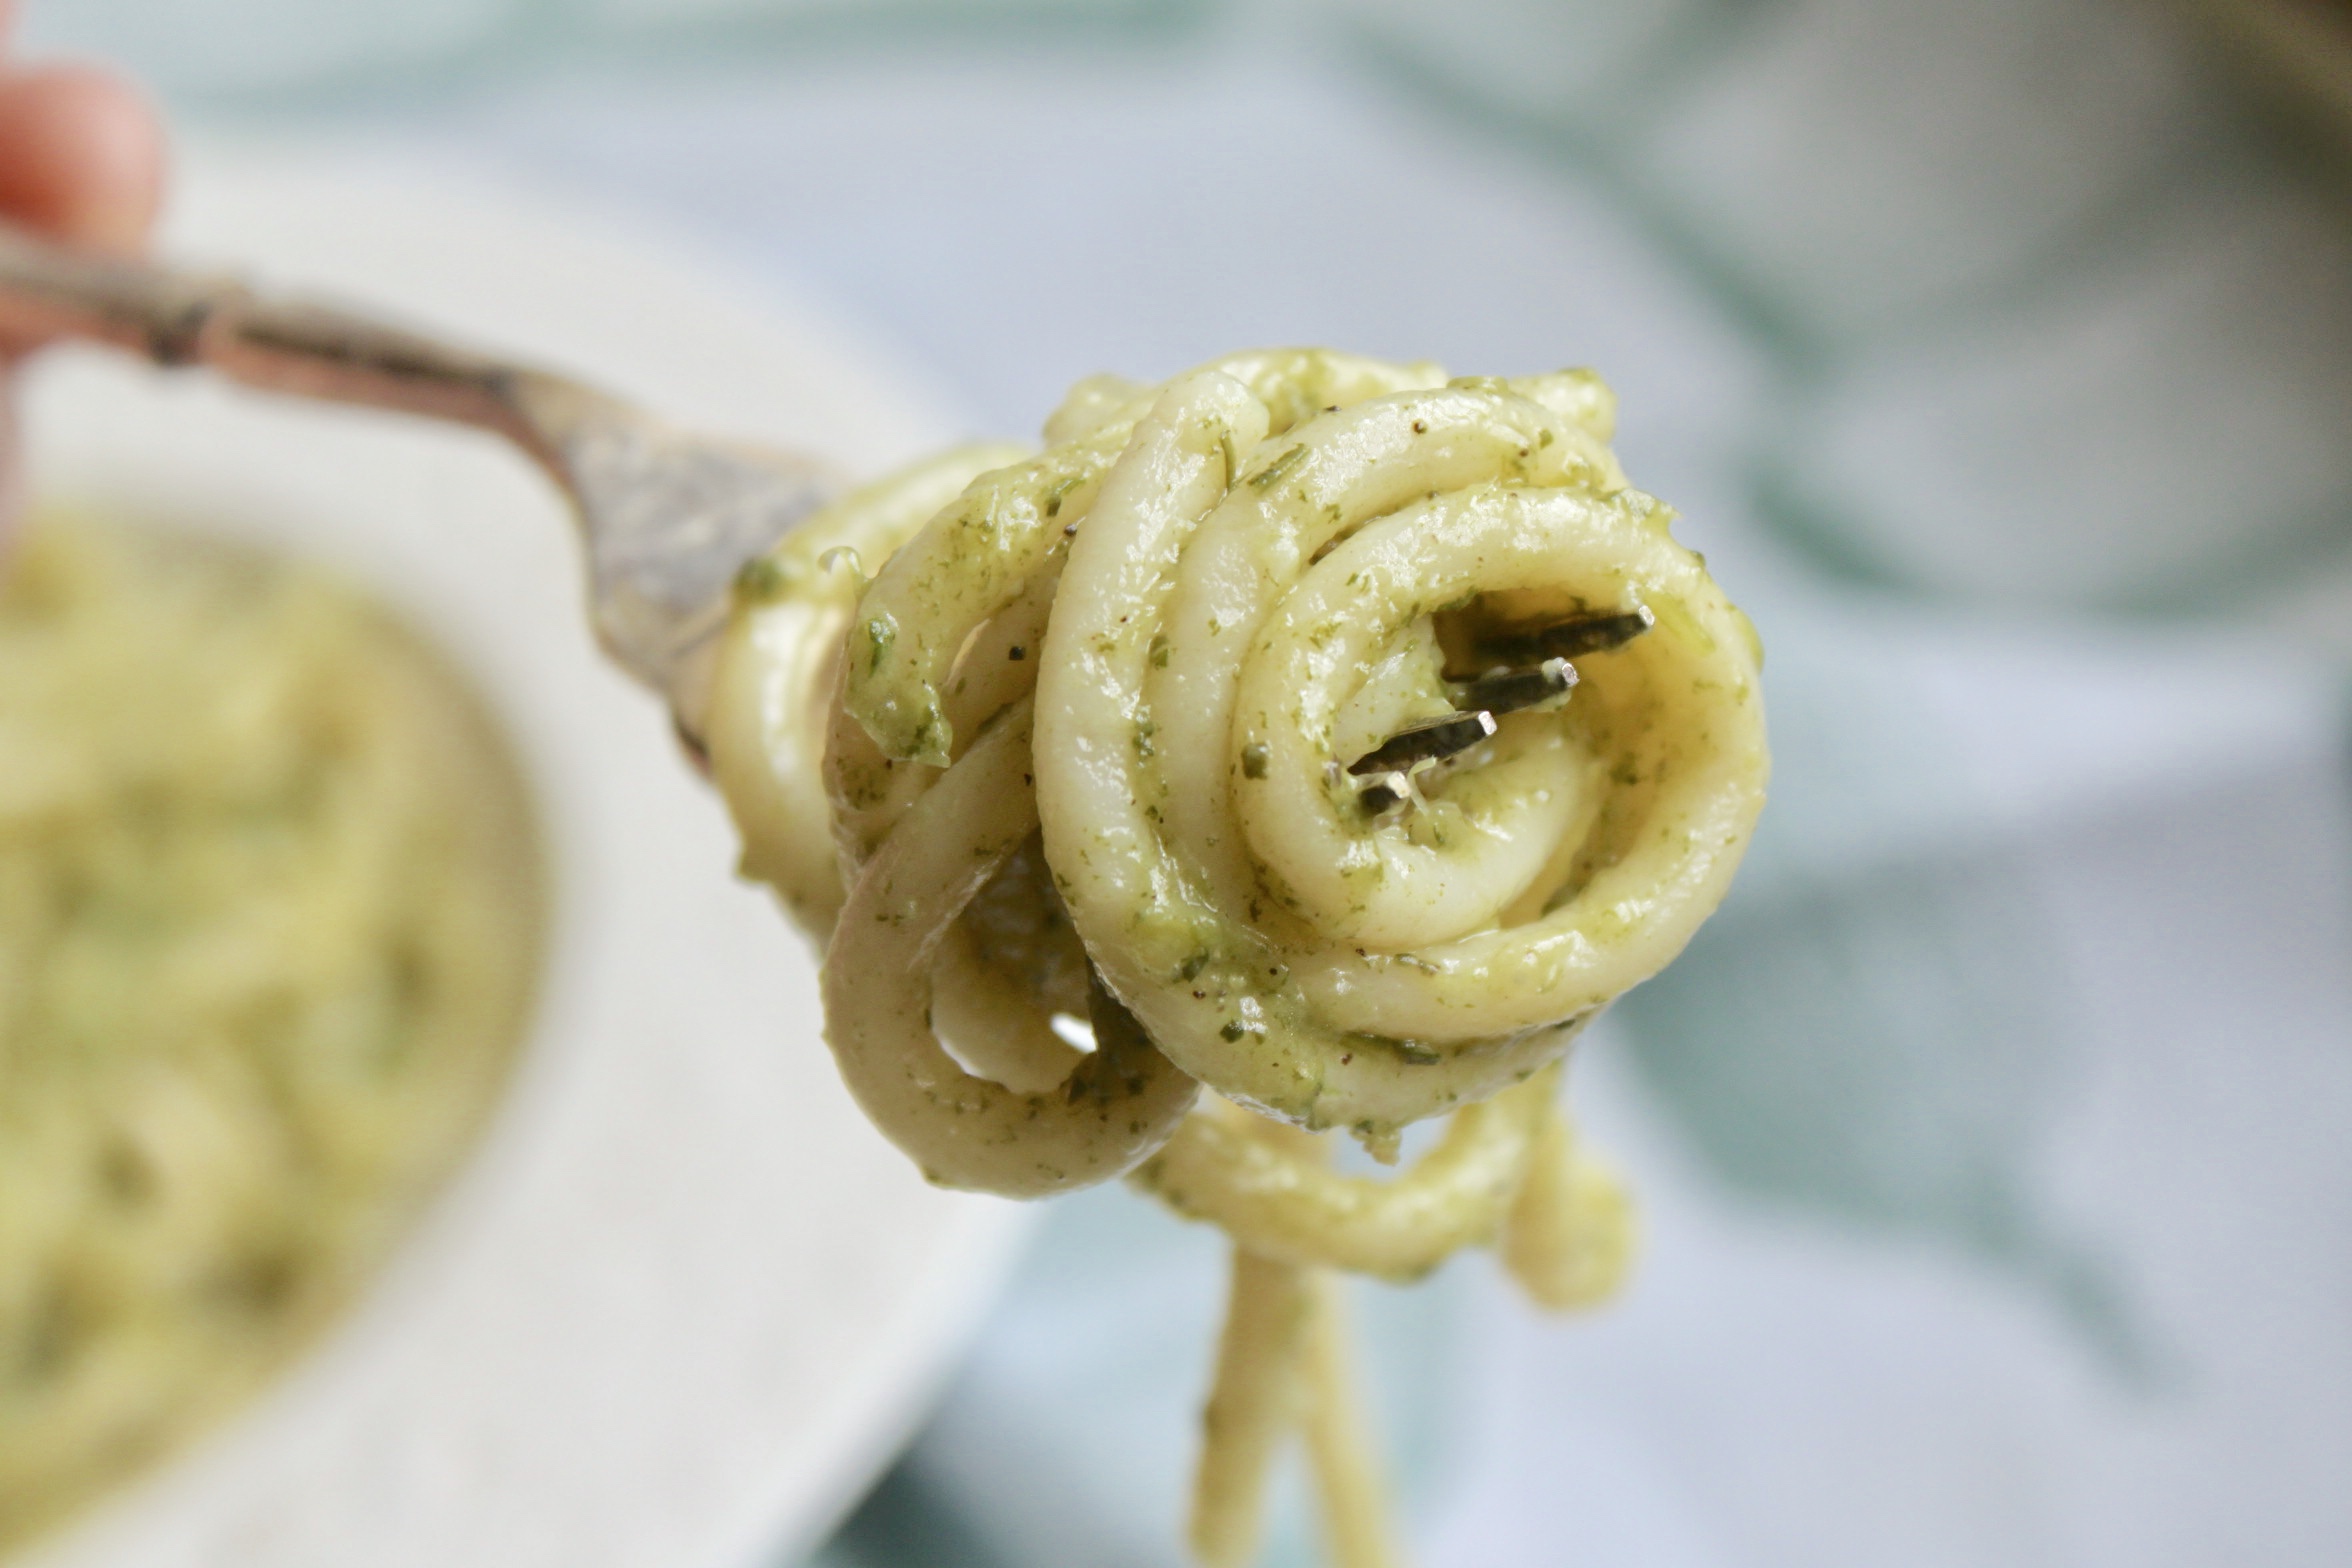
x,y
81,156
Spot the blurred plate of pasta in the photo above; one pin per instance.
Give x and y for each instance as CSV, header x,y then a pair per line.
x,y
674,1302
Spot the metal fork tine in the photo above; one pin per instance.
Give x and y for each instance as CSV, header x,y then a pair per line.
x,y
1525,670
1508,691
1385,794
1569,639
1428,741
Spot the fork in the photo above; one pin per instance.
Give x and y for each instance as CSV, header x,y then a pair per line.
x,y
667,517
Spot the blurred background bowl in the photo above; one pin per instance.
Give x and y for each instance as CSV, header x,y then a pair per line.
x,y
682,1302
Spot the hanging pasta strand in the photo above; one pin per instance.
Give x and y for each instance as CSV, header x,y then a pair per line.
x,y
1256,1398
1333,741
1569,1237
1282,1371
1348,1483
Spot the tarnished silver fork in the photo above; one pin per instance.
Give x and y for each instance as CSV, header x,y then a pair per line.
x,y
667,517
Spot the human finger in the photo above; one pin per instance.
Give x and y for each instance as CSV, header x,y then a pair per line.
x,y
81,156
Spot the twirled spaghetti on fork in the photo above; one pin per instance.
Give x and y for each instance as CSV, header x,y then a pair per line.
x,y
1316,730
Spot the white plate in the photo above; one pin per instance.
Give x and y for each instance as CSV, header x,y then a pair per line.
x,y
683,1303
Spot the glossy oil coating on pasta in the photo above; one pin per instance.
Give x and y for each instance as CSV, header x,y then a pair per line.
x,y
1095,740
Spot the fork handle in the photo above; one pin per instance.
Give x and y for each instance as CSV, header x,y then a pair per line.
x,y
293,346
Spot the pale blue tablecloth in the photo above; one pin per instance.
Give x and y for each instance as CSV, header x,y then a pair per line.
x,y
2000,359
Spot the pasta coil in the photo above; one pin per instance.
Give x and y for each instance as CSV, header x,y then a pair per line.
x,y
1312,729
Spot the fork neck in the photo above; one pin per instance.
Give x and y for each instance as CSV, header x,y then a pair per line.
x,y
174,318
